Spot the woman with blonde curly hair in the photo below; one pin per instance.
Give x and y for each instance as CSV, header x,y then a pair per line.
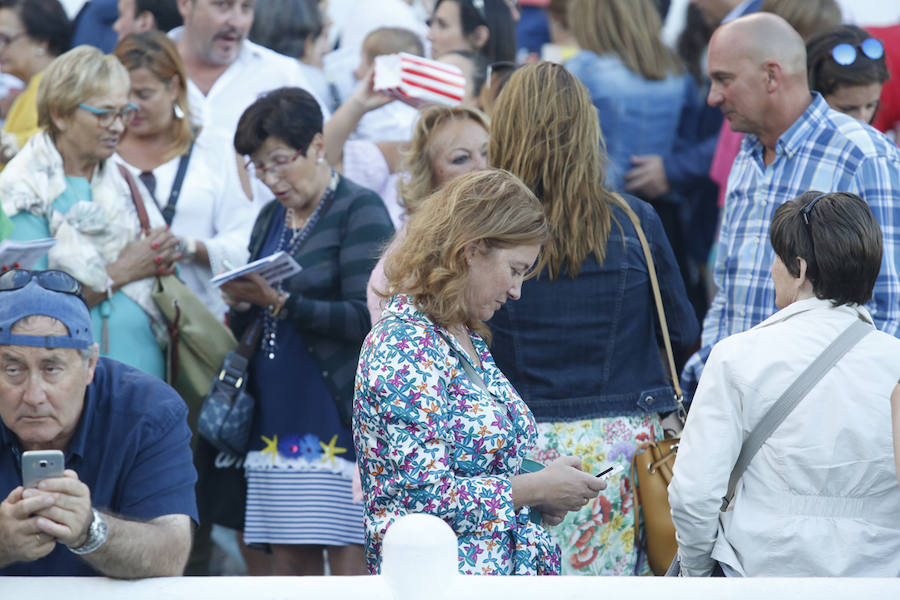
x,y
582,346
447,142
428,389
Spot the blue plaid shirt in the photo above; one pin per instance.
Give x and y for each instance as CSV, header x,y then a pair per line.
x,y
823,150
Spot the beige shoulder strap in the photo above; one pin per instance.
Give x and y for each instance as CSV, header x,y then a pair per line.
x,y
657,297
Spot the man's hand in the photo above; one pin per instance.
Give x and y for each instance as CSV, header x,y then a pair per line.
x,y
68,516
21,539
648,176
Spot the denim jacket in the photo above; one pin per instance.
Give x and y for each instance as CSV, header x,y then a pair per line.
x,y
637,115
588,347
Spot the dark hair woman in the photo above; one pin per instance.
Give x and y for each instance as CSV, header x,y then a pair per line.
x,y
847,66
301,463
825,478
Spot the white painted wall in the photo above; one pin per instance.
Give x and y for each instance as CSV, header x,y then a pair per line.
x,y
419,563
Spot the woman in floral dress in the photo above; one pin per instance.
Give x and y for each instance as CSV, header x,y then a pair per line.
x,y
437,427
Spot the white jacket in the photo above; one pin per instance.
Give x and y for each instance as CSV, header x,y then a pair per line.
x,y
821,496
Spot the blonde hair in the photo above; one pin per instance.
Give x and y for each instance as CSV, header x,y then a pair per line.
x,y
72,78
490,207
546,132
156,52
627,28
420,157
390,40
809,18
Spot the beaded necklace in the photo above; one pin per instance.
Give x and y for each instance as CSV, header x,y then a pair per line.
x,y
289,240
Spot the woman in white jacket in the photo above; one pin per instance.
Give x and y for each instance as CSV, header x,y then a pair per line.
x,y
821,496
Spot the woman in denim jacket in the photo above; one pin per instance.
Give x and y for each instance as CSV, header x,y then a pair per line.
x,y
637,84
582,345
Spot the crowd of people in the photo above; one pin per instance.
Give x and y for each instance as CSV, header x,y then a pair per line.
x,y
472,331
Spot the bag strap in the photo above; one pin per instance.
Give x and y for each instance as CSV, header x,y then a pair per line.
x,y
247,346
168,211
136,198
790,399
467,367
657,298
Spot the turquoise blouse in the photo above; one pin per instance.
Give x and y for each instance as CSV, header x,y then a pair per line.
x,y
131,339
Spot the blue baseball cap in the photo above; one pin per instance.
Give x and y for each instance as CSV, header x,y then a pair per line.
x,y
35,299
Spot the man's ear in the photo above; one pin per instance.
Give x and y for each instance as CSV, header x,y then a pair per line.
x,y
773,74
184,7
92,365
480,36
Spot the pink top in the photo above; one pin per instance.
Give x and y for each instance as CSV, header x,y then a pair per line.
x,y
726,151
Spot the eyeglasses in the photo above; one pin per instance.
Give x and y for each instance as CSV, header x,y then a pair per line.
x,y
846,54
503,68
277,167
6,40
106,116
55,281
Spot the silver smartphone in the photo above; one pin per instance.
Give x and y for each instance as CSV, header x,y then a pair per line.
x,y
41,464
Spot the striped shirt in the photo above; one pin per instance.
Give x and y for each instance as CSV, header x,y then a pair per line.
x,y
823,150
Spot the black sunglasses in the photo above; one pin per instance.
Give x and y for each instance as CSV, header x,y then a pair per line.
x,y
846,54
805,212
53,280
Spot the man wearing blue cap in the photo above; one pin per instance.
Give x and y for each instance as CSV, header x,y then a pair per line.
x,y
125,505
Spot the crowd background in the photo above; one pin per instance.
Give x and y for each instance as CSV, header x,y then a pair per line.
x,y
262,119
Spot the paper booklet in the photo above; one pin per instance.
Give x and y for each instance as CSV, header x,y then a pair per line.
x,y
272,268
23,255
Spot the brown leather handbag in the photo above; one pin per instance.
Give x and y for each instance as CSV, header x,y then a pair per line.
x,y
651,467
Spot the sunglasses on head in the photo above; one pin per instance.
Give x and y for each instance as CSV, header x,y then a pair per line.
x,y
55,281
805,212
845,54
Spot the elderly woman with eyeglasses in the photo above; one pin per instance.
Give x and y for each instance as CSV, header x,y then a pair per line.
x,y
301,462
820,497
63,184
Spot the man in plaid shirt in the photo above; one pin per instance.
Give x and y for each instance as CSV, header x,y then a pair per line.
x,y
795,143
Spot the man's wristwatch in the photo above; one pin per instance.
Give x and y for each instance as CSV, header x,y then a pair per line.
x,y
97,533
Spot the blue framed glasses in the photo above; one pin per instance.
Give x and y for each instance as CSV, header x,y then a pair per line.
x,y
846,54
106,116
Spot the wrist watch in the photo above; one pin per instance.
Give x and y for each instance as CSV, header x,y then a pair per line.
x,y
97,533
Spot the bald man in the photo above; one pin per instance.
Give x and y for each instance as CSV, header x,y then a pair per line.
x,y
794,143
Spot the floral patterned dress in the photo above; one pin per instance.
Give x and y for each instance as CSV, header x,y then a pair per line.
x,y
598,539
429,440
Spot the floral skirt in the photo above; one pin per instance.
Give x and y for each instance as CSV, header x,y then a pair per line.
x,y
599,538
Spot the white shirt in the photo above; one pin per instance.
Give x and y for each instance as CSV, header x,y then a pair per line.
x,y
821,497
212,208
255,71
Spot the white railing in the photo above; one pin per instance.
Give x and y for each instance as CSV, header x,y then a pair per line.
x,y
420,563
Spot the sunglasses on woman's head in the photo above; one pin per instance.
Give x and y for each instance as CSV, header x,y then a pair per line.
x,y
55,281
845,54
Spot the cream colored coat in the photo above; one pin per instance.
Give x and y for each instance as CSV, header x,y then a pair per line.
x,y
821,496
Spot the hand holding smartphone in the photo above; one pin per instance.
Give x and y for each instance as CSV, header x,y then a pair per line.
x,y
41,464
